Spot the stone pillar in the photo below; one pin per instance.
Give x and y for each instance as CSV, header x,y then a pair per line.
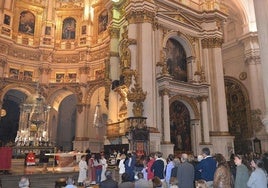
x,y
166,118
190,69
114,74
84,71
2,67
195,135
80,131
262,25
253,62
212,48
44,74
204,119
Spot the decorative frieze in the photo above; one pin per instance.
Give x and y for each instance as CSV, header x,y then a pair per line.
x,y
140,16
215,42
114,32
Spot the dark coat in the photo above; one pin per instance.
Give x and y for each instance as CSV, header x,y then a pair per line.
x,y
108,183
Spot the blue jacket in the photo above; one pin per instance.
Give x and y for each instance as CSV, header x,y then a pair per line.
x,y
207,167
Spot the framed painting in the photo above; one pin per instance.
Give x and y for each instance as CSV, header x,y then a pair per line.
x,y
72,77
48,30
27,23
60,77
84,29
28,75
14,73
103,21
68,28
7,19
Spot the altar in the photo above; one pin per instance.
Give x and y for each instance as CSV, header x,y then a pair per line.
x,y
66,162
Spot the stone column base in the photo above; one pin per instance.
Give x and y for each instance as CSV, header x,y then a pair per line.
x,y
166,149
223,144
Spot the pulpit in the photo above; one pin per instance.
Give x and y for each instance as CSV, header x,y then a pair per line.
x,y
5,158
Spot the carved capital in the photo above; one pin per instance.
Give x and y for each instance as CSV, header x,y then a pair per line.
x,y
202,98
80,107
84,70
45,70
114,32
164,92
142,16
215,42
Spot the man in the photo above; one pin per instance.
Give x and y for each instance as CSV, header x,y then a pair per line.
x,y
109,182
158,166
185,173
141,182
207,167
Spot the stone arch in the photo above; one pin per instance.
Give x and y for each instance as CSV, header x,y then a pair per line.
x,y
183,40
183,111
238,113
26,89
190,103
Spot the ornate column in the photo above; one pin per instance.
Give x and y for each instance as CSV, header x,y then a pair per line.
x,y
262,25
204,119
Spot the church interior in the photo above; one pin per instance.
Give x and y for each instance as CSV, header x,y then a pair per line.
x,y
150,75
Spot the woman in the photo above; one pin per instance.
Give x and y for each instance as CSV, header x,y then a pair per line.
x,y
82,170
222,176
104,167
150,173
169,168
121,166
258,178
98,167
242,173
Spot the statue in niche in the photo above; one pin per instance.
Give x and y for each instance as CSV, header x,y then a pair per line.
x,y
27,23
68,28
176,63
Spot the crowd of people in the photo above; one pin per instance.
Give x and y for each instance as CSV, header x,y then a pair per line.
x,y
182,171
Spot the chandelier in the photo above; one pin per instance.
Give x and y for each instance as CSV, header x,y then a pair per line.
x,y
33,124
98,120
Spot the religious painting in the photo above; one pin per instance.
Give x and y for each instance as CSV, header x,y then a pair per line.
x,y
180,130
14,73
60,77
28,75
7,19
68,28
27,23
84,29
103,21
48,30
176,63
72,77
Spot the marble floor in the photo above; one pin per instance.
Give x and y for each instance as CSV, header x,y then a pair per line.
x,y
19,169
